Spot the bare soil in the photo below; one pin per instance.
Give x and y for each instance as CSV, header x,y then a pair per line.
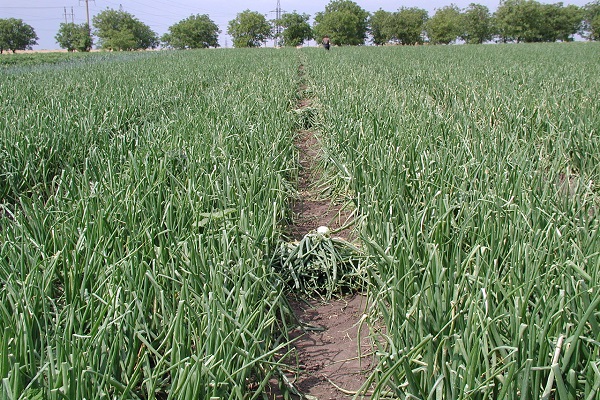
x,y
336,357
331,348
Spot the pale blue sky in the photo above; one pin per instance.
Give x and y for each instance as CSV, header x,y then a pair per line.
x,y
46,15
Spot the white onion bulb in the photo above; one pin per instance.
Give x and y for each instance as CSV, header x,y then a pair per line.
x,y
323,230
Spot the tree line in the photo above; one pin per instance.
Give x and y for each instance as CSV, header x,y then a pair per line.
x,y
343,21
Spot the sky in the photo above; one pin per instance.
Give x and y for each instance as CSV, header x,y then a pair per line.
x,y
45,16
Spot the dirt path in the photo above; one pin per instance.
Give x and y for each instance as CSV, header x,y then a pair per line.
x,y
333,349
309,210
334,358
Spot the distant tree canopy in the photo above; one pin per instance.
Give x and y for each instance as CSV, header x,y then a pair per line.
x,y
119,30
378,22
591,20
344,21
194,32
407,26
249,29
445,26
562,22
477,24
296,29
16,35
73,37
531,21
514,21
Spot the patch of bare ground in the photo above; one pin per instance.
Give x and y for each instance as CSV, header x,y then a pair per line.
x,y
332,350
331,347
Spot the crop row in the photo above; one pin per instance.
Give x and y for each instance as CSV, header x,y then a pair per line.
x,y
476,174
141,197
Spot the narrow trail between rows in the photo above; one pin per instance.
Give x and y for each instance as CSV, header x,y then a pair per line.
x,y
310,210
333,354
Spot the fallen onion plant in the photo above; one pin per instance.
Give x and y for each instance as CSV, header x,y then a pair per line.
x,y
321,266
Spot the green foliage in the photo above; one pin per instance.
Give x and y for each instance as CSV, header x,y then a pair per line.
x,y
194,32
477,24
560,22
141,197
119,30
32,59
378,23
531,21
407,25
296,28
320,266
480,205
344,21
445,26
517,20
16,35
73,37
249,29
591,23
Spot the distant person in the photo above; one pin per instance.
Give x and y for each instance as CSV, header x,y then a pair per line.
x,y
326,42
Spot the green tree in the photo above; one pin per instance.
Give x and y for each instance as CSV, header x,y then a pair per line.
x,y
591,21
531,21
119,30
477,24
559,22
73,37
378,23
519,20
296,28
16,35
194,32
249,29
407,25
344,21
445,26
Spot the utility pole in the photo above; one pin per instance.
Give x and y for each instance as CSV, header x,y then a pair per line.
x,y
72,15
87,11
278,11
87,14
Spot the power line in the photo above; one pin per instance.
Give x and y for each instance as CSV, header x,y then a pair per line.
x,y
28,8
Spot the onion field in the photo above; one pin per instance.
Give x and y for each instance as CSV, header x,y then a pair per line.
x,y
476,171
145,199
141,200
